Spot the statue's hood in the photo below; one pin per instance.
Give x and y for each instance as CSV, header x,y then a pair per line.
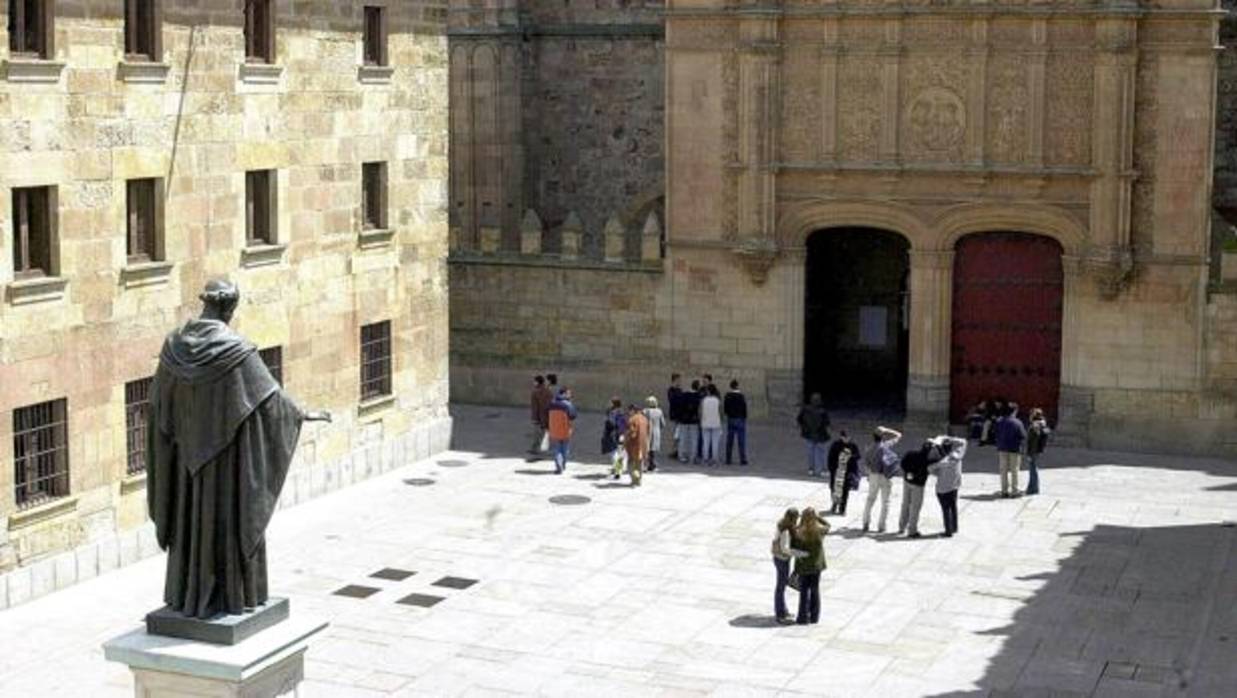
x,y
203,350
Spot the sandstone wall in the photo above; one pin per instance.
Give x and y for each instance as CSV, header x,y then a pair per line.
x,y
201,124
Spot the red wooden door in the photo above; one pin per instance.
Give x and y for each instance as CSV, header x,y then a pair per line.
x,y
1007,299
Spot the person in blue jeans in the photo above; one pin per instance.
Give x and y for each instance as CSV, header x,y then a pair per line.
x,y
1037,441
735,409
782,555
814,428
560,416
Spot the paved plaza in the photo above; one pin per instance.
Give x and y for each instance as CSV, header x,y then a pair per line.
x,y
1119,580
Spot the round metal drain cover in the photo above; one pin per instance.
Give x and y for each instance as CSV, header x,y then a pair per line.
x,y
418,481
569,499
453,463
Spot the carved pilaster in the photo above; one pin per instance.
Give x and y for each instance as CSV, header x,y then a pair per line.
x,y
1112,154
931,329
1036,69
829,91
977,90
890,62
759,102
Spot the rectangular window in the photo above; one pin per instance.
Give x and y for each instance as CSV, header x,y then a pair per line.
x,y
260,207
273,358
31,28
41,452
374,195
144,30
375,360
375,35
144,209
33,232
260,31
137,412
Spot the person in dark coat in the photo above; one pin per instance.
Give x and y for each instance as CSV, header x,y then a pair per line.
x,y
219,445
1037,441
674,407
843,471
813,423
689,424
734,407
914,478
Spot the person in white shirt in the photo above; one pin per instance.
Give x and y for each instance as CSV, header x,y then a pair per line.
x,y
782,555
657,422
711,426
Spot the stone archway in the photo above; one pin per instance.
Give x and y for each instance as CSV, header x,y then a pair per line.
x,y
856,318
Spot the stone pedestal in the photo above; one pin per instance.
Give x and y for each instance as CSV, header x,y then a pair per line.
x,y
271,663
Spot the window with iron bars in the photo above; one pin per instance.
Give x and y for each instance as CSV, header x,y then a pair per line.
x,y
31,28
40,452
137,413
375,360
273,358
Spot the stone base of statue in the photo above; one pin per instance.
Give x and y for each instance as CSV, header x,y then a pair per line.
x,y
269,663
222,629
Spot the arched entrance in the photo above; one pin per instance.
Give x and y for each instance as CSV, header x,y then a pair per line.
x,y
1008,291
856,340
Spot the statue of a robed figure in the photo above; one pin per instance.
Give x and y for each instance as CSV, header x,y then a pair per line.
x,y
221,438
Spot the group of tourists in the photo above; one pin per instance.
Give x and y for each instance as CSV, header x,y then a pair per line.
x,y
699,417
996,422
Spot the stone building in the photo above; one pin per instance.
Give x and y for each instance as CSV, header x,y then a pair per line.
x,y
298,148
914,206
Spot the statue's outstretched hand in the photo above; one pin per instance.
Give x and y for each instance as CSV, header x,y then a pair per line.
x,y
318,416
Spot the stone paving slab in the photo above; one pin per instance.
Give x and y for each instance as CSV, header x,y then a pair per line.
x,y
1118,580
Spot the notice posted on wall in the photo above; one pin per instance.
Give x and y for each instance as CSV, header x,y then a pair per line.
x,y
873,326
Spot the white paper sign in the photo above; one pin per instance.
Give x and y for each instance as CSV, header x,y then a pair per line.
x,y
873,326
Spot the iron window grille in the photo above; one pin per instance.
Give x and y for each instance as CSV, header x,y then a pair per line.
x,y
375,360
40,452
30,28
260,207
374,195
375,36
137,414
144,220
33,223
144,30
260,31
273,358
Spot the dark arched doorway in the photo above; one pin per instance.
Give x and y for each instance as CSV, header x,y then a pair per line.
x,y
856,340
1008,291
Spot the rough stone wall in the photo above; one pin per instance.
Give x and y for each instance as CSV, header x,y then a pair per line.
x,y
201,127
1224,192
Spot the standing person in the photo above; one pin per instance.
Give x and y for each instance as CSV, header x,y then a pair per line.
x,y
948,471
915,476
975,420
551,382
636,443
1037,441
711,426
843,471
809,537
689,427
1010,437
657,424
612,436
539,412
882,464
674,403
735,407
814,428
560,415
782,555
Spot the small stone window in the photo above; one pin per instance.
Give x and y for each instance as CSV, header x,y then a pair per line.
x,y
273,358
144,209
34,232
374,196
41,452
260,31
375,361
143,30
260,207
137,413
31,28
375,49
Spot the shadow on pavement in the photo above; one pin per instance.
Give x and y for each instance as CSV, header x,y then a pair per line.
x,y
754,620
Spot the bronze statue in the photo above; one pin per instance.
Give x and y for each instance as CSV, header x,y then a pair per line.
x,y
220,443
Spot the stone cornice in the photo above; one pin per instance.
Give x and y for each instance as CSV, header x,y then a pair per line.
x,y
574,31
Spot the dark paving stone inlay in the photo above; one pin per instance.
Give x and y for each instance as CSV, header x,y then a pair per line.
x,y
356,591
569,499
455,582
453,463
422,600
392,574
418,481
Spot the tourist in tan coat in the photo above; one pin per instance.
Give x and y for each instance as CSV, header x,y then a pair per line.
x,y
636,443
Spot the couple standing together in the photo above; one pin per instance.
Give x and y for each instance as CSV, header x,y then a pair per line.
x,y
801,539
